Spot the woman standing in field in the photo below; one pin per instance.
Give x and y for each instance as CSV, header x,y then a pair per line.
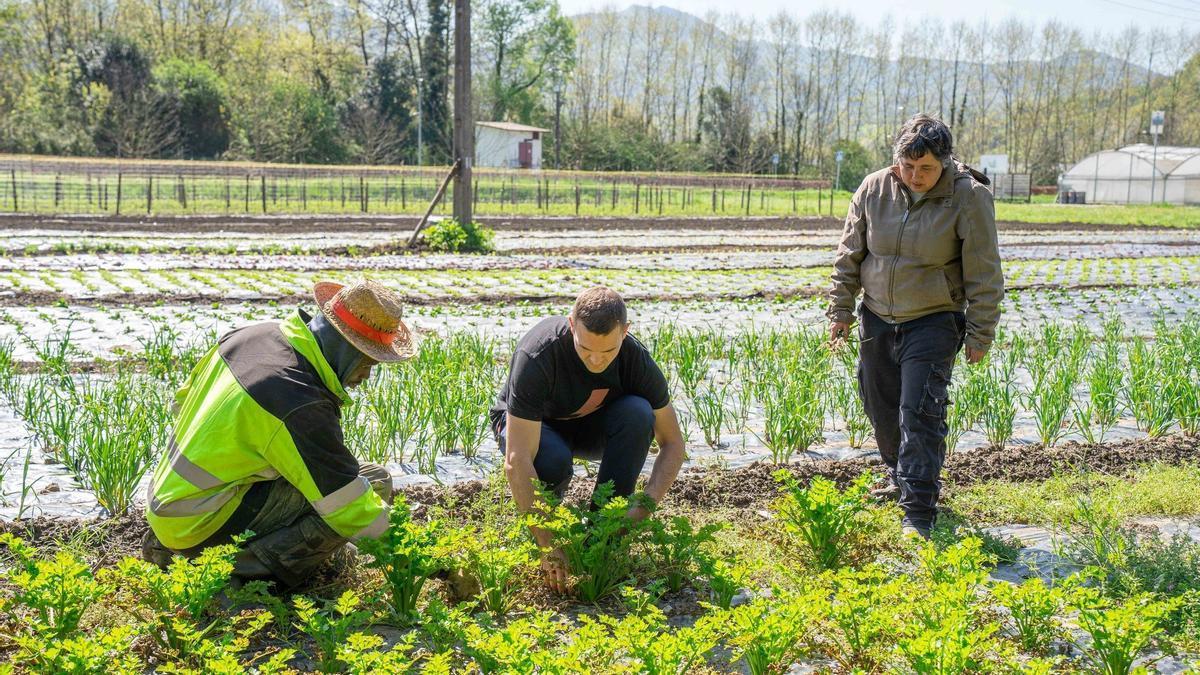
x,y
920,243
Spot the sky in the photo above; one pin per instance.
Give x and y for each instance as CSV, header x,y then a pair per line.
x,y
1108,16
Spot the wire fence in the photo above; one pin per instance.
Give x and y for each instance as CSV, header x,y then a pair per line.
x,y
49,186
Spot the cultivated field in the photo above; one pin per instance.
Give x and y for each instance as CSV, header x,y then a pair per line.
x,y
1073,451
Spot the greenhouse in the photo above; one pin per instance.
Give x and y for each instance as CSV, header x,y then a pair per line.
x,y
1136,174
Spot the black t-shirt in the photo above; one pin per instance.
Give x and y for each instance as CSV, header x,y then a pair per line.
x,y
548,380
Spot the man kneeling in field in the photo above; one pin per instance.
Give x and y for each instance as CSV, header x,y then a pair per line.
x,y
257,445
582,385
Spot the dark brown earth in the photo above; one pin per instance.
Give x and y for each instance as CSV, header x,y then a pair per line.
x,y
748,487
405,223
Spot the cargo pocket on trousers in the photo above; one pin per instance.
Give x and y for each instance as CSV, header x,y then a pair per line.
x,y
936,396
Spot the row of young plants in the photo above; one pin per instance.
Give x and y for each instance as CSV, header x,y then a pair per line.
x,y
835,587
788,388
785,390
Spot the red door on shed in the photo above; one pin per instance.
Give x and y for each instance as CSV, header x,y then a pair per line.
x,y
525,154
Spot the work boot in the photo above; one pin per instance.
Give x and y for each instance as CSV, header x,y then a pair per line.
x,y
153,551
343,560
912,531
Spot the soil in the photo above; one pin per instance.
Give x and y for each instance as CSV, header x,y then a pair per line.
x,y
748,487
754,485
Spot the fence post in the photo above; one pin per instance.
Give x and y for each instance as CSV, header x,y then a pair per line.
x,y
246,193
637,198
226,194
364,201
13,175
262,191
403,196
577,199
304,195
149,193
820,194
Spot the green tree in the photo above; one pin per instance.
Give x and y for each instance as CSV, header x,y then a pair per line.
x,y
138,120
289,122
199,96
379,121
435,69
856,164
523,40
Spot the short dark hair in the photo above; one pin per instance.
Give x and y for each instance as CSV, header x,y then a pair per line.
x,y
923,134
600,309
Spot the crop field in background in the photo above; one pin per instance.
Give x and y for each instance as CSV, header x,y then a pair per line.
x,y
132,188
1069,540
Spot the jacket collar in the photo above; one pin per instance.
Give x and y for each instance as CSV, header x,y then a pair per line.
x,y
295,330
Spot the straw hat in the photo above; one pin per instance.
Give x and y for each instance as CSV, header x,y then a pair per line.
x,y
368,315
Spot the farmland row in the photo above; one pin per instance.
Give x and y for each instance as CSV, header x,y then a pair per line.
x,y
19,287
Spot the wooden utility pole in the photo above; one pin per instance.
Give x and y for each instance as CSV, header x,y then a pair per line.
x,y
464,125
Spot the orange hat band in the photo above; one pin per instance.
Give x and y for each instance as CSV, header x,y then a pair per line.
x,y
383,337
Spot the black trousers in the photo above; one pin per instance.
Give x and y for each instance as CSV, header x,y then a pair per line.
x,y
904,374
619,435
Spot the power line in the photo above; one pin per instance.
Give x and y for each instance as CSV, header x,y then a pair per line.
x,y
1176,7
1151,11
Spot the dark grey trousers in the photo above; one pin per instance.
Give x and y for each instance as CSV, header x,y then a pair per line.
x,y
904,378
290,540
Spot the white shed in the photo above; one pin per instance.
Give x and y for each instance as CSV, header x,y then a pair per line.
x,y
1127,175
508,145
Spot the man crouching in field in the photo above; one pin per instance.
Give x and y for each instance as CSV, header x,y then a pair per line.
x,y
257,444
582,385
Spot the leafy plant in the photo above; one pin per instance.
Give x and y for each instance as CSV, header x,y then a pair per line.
x,y
771,632
407,554
496,563
56,591
1034,609
450,235
820,515
725,579
1119,633
174,602
676,549
107,652
331,628
595,543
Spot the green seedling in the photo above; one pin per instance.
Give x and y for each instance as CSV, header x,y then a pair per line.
x,y
770,633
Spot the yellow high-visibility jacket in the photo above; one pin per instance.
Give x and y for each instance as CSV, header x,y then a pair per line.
x,y
263,404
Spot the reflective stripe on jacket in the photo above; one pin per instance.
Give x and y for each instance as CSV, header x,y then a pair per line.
x,y
262,404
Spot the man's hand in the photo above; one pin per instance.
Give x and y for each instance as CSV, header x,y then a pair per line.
x,y
974,355
637,513
554,563
838,332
